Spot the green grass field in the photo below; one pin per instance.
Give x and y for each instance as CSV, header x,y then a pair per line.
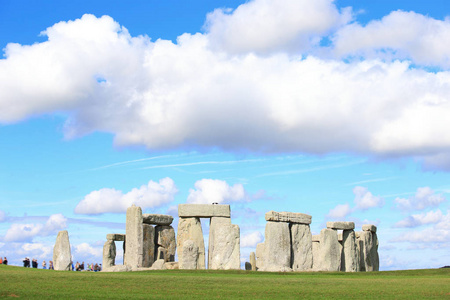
x,y
181,284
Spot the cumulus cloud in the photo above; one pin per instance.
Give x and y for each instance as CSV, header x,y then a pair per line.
x,y
107,200
365,199
209,191
168,95
424,198
251,239
431,217
340,211
26,232
84,249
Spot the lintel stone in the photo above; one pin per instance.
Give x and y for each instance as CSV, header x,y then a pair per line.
x,y
116,237
290,217
341,225
156,219
369,227
204,210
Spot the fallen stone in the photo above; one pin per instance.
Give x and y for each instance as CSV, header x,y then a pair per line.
x,y
215,223
204,210
191,229
330,250
277,247
160,264
226,252
149,245
369,227
62,258
156,219
172,265
134,245
248,266
349,256
290,217
341,225
165,237
189,254
116,237
253,260
109,254
301,241
316,255
118,268
260,256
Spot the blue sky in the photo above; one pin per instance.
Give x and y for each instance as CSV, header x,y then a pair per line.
x,y
335,109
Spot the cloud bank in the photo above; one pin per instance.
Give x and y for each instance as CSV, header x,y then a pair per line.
x,y
258,79
26,232
209,191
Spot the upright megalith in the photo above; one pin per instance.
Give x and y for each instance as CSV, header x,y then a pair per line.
x,y
316,252
350,255
148,232
369,248
277,247
109,254
188,258
215,223
301,241
260,256
190,228
165,242
253,261
226,252
135,238
62,257
330,250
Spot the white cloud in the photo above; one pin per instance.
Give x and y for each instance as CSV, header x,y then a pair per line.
x,y
168,95
431,217
424,198
365,199
108,200
26,232
265,26
401,35
251,239
84,249
2,216
340,211
209,191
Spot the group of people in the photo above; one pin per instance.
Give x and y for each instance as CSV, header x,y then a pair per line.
x,y
34,264
90,267
3,261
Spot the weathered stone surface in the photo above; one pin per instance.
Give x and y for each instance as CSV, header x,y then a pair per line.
x,y
134,233
277,247
159,254
189,254
330,250
341,225
191,229
253,260
203,210
349,256
260,256
62,258
226,252
374,253
165,237
290,217
215,223
316,255
172,265
369,251
118,268
156,219
149,245
369,227
160,264
301,241
109,254
360,249
315,238
116,237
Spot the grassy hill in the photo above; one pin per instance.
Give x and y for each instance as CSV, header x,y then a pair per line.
x,y
184,284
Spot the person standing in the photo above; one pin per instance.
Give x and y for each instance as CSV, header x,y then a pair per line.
x,y
1,260
5,261
44,265
50,265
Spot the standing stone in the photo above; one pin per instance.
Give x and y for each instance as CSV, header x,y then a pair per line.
x,y
191,229
134,233
253,260
330,250
62,258
367,250
360,249
189,254
149,245
226,252
260,256
316,255
215,223
374,253
165,237
109,254
349,256
277,247
301,259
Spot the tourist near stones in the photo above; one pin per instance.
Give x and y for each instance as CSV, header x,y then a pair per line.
x,y
150,243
